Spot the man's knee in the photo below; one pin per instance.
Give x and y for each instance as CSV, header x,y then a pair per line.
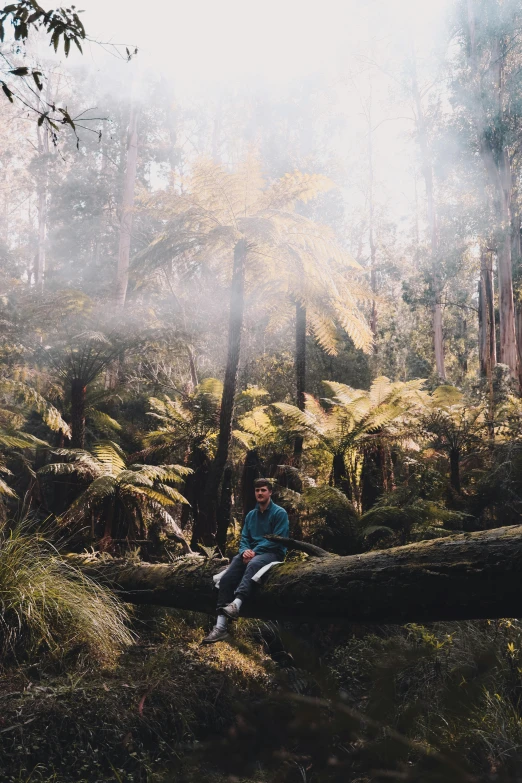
x,y
254,565
234,571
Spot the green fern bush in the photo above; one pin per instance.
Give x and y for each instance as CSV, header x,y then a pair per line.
x,y
48,605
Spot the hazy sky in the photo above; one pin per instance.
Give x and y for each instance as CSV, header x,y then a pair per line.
x,y
271,41
204,46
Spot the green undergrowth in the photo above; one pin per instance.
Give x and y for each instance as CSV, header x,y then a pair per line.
x,y
430,703
137,721
453,688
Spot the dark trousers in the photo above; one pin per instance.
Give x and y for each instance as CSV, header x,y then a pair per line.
x,y
237,579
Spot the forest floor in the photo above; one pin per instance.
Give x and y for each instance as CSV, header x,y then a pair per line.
x,y
169,709
138,720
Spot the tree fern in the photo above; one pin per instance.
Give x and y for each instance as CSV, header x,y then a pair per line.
x,y
116,493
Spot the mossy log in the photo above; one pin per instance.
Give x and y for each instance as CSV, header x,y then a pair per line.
x,y
462,577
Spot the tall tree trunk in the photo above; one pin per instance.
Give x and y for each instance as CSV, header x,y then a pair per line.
x,y
300,371
224,510
486,315
516,256
251,471
461,577
427,170
78,397
508,346
122,273
42,187
487,332
207,522
455,469
372,476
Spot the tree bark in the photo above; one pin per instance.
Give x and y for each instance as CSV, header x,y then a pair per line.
x,y
252,470
300,371
508,346
516,257
78,398
487,338
463,577
224,510
455,469
122,273
205,531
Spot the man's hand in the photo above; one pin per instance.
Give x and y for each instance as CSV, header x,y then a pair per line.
x,y
248,554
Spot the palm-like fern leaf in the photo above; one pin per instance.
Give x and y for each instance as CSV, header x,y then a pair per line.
x,y
110,456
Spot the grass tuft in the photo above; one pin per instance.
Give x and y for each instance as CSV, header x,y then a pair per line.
x,y
48,605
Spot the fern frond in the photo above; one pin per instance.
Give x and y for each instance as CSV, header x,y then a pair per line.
x,y
324,331
160,497
355,326
6,490
97,493
380,389
211,387
110,456
297,186
80,468
21,440
445,396
29,397
300,420
245,439
103,420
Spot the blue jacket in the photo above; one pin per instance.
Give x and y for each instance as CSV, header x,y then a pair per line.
x,y
258,524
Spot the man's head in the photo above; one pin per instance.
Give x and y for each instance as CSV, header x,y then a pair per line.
x,y
263,490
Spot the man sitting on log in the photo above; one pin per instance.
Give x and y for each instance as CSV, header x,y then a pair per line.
x,y
255,551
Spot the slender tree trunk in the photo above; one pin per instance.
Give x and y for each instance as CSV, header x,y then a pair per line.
x,y
206,529
487,332
300,371
516,255
487,338
455,469
427,170
122,273
461,577
42,187
78,396
508,346
251,471
224,510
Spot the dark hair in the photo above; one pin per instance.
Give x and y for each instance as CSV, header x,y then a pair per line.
x,y
263,482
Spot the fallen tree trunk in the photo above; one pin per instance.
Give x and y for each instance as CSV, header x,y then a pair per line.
x,y
463,577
